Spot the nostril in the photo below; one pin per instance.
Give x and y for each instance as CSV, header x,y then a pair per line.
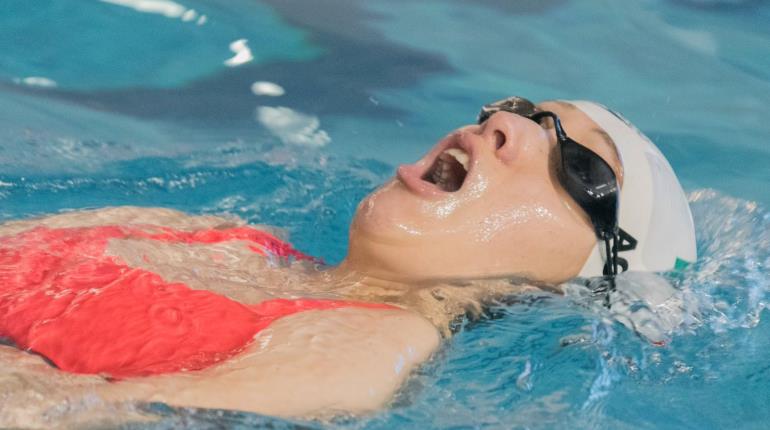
x,y
499,139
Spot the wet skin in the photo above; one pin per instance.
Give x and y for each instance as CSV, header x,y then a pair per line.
x,y
509,217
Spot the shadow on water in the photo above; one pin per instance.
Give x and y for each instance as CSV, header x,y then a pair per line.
x,y
357,60
720,5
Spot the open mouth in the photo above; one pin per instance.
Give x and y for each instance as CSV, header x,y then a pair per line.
x,y
449,170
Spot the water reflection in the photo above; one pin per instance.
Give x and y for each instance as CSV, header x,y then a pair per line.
x,y
167,8
292,127
242,53
36,81
265,88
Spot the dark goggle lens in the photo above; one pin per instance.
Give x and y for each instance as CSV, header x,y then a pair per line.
x,y
591,182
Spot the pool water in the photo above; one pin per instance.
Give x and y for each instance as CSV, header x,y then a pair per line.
x,y
288,112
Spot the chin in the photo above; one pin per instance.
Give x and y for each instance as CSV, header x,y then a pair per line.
x,y
388,213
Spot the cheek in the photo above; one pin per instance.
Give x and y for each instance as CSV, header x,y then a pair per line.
x,y
530,209
506,223
537,235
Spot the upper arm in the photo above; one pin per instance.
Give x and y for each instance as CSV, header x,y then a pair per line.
x,y
314,363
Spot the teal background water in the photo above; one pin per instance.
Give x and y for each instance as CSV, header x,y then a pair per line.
x,y
140,108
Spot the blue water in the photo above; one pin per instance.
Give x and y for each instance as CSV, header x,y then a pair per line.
x,y
140,108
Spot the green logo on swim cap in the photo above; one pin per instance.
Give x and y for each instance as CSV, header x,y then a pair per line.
x,y
681,264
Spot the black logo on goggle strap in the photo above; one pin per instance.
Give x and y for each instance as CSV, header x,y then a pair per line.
x,y
615,243
621,243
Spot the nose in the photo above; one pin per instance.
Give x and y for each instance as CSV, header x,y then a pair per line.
x,y
504,129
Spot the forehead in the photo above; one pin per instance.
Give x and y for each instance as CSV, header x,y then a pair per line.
x,y
582,129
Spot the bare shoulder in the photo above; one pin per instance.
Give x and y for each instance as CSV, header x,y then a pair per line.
x,y
312,364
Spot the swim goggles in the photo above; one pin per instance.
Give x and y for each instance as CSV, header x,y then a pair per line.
x,y
586,177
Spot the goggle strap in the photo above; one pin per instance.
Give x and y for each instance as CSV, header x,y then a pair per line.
x,y
610,269
626,241
610,289
614,243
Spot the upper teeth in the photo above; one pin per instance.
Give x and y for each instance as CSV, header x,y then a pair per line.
x,y
459,155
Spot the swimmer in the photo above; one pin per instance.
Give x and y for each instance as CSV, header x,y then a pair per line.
x,y
139,304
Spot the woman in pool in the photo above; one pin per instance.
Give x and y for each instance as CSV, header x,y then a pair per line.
x,y
154,305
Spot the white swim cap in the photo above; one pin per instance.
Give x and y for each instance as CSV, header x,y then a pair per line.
x,y
653,206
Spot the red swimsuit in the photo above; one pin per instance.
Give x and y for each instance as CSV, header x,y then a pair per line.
x,y
87,312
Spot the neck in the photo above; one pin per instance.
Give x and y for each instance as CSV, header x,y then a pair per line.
x,y
345,277
440,301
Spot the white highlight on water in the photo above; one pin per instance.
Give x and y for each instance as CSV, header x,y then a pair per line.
x,y
265,88
523,380
292,127
166,8
36,81
242,53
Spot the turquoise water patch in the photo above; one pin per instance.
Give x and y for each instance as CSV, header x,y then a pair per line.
x,y
120,43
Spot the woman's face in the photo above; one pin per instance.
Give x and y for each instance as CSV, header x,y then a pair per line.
x,y
485,201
